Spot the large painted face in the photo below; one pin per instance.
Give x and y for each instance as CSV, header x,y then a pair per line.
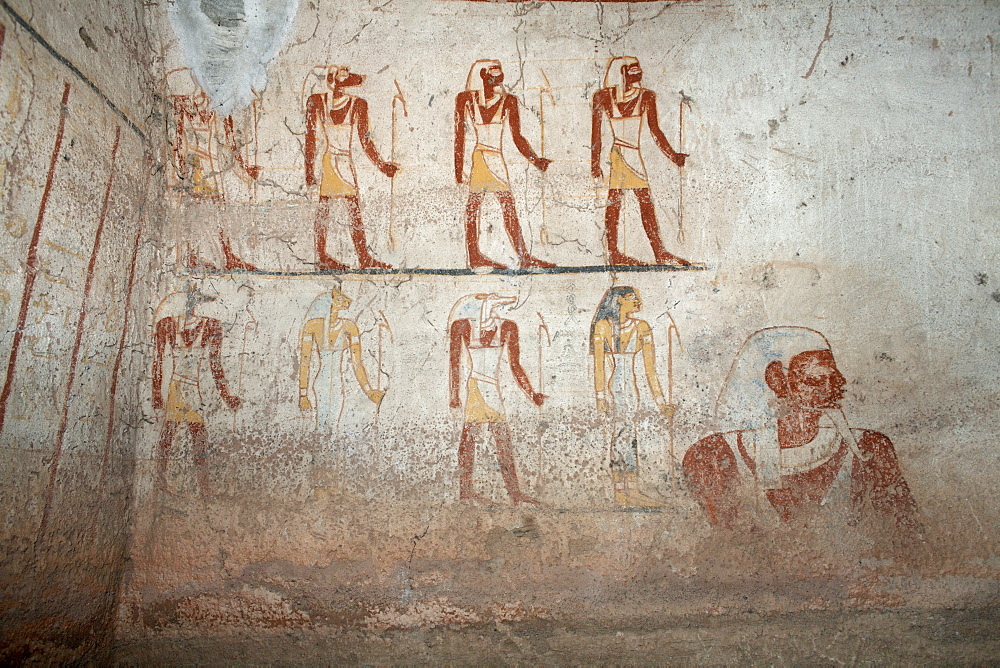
x,y
628,303
492,77
814,381
340,301
631,74
344,78
491,306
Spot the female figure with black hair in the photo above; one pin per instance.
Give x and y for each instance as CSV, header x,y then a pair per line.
x,y
617,341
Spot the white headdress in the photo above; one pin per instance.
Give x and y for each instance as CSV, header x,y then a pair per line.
x,y
475,80
747,403
613,77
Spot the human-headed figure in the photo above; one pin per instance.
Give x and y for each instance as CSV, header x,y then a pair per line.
x,y
787,442
330,336
477,340
337,116
628,106
617,341
190,338
486,108
199,134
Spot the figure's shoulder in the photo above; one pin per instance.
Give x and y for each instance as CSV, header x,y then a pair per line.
x,y
313,326
508,326
871,441
164,325
603,96
464,98
350,327
711,448
602,328
315,101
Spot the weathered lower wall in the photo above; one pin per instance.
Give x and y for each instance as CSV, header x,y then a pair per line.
x,y
74,178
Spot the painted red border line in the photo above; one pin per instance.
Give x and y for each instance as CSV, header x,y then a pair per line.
x,y
75,356
31,268
118,359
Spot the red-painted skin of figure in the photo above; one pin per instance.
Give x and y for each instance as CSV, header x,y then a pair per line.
x,y
359,120
211,338
645,103
811,384
506,106
460,334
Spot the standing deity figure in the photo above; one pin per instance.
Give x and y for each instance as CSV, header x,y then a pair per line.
x,y
336,116
487,108
618,341
199,166
330,337
787,449
478,338
628,107
190,338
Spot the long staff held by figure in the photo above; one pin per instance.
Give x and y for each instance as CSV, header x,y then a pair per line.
x,y
672,333
542,327
546,89
383,325
398,97
684,102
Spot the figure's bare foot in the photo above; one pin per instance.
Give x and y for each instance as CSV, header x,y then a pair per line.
x,y
478,261
327,263
622,260
519,498
472,497
195,262
531,262
672,260
234,263
371,263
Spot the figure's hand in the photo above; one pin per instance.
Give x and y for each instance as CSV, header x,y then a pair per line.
x,y
310,177
679,159
454,403
305,405
231,401
157,402
542,163
254,172
457,414
597,173
390,169
459,178
375,396
603,405
667,410
538,398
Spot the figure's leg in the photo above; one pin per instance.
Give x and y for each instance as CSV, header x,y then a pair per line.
x,y
648,215
233,262
324,261
365,258
466,462
163,451
501,436
476,258
612,218
513,227
199,441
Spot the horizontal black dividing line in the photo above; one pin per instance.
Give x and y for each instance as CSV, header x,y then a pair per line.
x,y
417,271
72,68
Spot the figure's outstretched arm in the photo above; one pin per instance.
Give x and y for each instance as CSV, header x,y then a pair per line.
x,y
160,338
514,118
180,140
213,339
510,337
645,334
359,366
460,102
653,121
360,112
596,122
313,109
459,334
306,340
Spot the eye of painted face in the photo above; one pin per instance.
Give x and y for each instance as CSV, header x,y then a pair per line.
x,y
342,75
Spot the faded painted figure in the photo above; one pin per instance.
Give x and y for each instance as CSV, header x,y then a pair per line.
x,y
788,449
618,341
336,116
191,339
486,108
199,165
628,107
330,337
478,338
